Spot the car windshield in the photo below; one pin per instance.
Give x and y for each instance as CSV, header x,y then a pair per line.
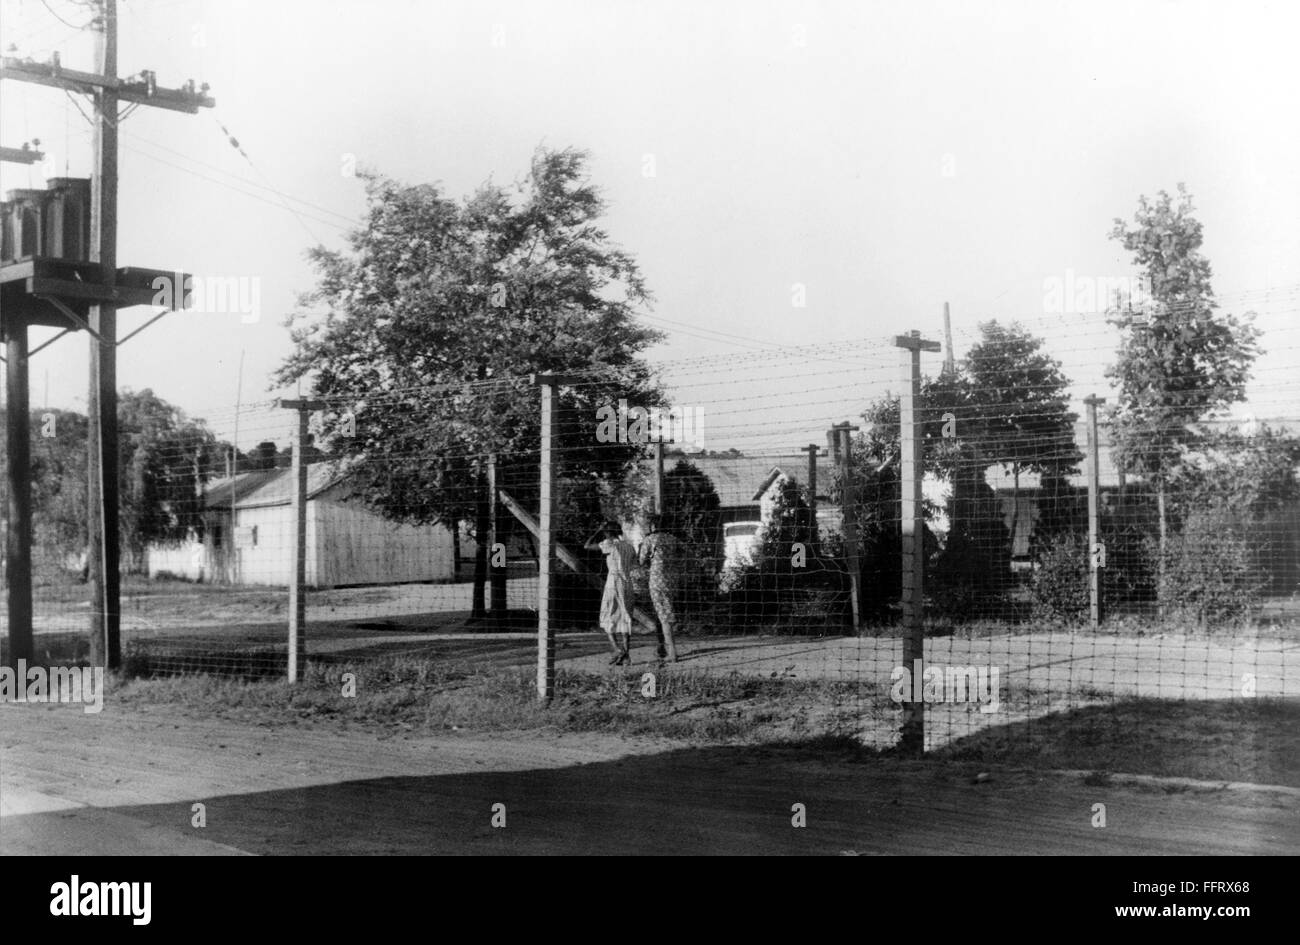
x,y
742,530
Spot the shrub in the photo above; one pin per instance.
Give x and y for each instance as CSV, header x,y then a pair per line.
x,y
1211,570
774,593
812,600
970,577
1059,586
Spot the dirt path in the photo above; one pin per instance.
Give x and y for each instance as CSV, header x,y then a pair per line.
x,y
125,782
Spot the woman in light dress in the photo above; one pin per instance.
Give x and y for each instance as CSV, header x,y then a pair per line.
x,y
616,604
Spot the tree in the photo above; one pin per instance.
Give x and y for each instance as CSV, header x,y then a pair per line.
x,y
790,583
1010,407
434,321
1014,395
692,511
1179,360
262,457
1006,403
1228,493
58,479
692,508
164,457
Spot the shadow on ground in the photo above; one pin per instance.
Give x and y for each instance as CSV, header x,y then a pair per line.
x,y
1253,740
721,800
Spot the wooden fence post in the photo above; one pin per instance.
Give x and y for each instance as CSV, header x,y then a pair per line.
x,y
911,472
298,580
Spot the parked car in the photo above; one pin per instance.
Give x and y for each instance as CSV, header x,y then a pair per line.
x,y
741,541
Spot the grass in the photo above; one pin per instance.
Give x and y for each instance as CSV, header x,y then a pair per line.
x,y
413,694
1254,740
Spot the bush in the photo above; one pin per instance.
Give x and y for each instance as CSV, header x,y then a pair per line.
x,y
1210,570
812,600
970,577
1059,586
776,592
1129,579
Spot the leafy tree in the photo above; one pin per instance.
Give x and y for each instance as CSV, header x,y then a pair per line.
x,y
776,591
1180,361
1010,407
163,456
791,521
692,510
691,506
1232,547
1243,474
426,332
877,492
58,454
261,457
1006,403
1013,403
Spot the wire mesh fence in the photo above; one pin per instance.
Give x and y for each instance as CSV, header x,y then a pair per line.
x,y
740,518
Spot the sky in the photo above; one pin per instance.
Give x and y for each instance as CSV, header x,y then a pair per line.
x,y
787,174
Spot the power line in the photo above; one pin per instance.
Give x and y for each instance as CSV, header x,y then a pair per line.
x,y
234,143
54,13
229,186
242,180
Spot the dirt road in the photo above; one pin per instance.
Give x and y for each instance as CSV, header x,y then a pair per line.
x,y
126,781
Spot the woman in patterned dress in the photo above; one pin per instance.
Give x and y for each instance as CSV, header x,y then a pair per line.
x,y
660,555
616,603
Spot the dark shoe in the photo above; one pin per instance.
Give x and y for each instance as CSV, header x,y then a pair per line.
x,y
662,652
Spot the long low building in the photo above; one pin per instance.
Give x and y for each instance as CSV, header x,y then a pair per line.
x,y
248,537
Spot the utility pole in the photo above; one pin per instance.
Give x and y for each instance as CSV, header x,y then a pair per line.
x,y
107,91
1096,550
103,574
298,580
843,446
911,471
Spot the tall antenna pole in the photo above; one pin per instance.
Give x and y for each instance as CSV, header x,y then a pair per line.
x,y
949,359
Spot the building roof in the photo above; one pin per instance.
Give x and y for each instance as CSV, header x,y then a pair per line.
x,y
1001,478
741,480
269,487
